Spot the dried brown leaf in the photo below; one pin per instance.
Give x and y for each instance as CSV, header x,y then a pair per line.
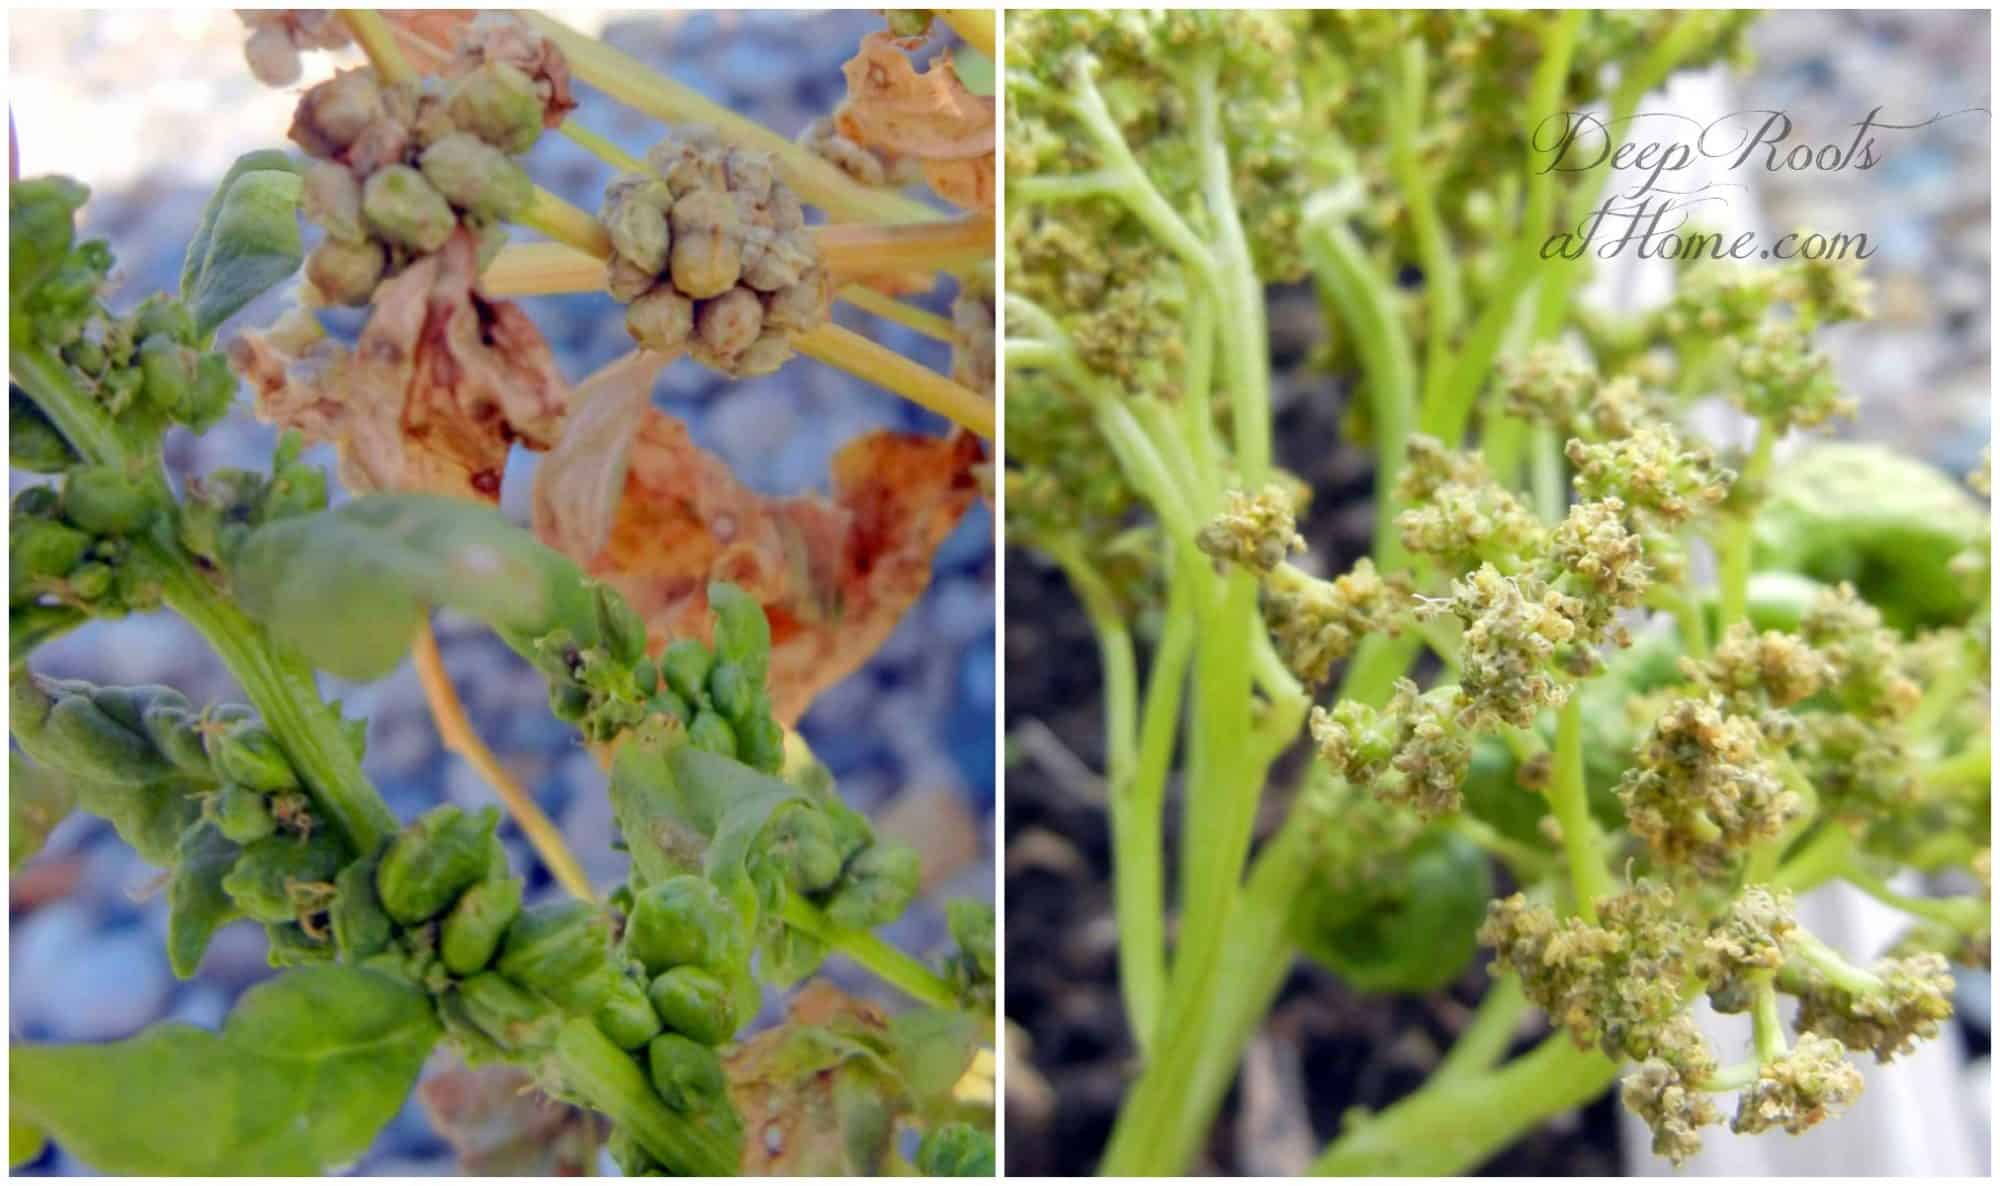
x,y
500,1125
579,484
817,1093
928,114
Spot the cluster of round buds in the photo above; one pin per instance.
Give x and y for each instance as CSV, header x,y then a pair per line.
x,y
1458,514
1413,752
711,252
1552,384
1703,789
1514,628
1799,1088
1828,289
1317,623
823,138
70,553
279,35
219,509
1886,1010
1253,530
398,169
1673,1106
1783,382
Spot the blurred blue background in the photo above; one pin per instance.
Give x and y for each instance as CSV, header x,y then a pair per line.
x,y
148,108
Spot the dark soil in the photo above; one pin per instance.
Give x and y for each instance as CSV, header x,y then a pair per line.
x,y
1343,1049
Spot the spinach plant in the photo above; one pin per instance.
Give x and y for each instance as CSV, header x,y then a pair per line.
x,y
1604,698
395,937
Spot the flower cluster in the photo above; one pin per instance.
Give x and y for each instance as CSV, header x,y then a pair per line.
x,y
710,251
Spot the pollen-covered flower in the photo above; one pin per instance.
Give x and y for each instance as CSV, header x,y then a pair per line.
x,y
1253,530
1317,623
1799,1088
1703,789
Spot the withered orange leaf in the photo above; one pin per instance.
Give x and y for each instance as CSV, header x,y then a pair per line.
x,y
501,1125
817,1093
926,114
834,575
440,383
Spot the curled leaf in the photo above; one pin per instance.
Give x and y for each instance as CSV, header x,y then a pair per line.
x,y
833,576
248,241
929,116
578,485
439,386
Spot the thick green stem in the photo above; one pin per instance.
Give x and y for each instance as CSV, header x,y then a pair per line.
x,y
1484,1041
1246,348
1451,1126
1733,549
606,1079
1444,290
880,957
1569,801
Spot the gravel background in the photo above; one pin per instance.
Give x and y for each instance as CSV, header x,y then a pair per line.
x,y
148,108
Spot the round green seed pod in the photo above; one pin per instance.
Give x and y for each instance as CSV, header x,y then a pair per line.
x,y
626,1016
710,732
661,320
517,1020
685,665
40,553
558,948
263,880
646,674
92,582
497,103
105,500
666,702
167,372
705,258
361,928
403,208
569,702
243,816
248,754
742,631
694,1002
760,740
476,177
477,923
877,887
683,920
346,273
619,625
432,862
688,1074
800,839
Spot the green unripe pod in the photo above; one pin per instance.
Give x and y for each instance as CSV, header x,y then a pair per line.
x,y
956,1150
646,674
760,740
685,665
877,888
214,389
971,926
405,209
39,553
243,815
730,689
800,840
33,443
687,1074
515,1018
196,901
626,1016
160,314
620,627
561,949
742,632
710,732
105,500
475,926
476,177
569,702
249,755
665,701
694,1002
173,730
432,862
498,104
346,273
92,582
264,879
167,371
683,920
361,928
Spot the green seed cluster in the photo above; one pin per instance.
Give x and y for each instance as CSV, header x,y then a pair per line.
x,y
1458,515
1900,1002
1703,790
711,254
220,509
1255,531
1316,624
70,550
399,169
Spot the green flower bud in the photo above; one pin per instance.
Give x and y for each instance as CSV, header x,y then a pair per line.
x,y
361,928
685,663
956,1150
694,1002
561,949
760,740
730,690
174,733
267,880
626,1016
346,273
661,320
877,887
498,104
403,208
800,839
688,1075
710,732
105,500
683,920
475,926
666,702
512,1016
92,583
476,177
971,927
433,861
33,443
634,213
40,553
742,632
243,815
646,674
167,369
161,314
788,955
332,198
250,755
619,625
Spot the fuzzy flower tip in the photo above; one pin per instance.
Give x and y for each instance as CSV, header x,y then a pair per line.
x,y
1799,1089
1253,530
1673,1108
1702,790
